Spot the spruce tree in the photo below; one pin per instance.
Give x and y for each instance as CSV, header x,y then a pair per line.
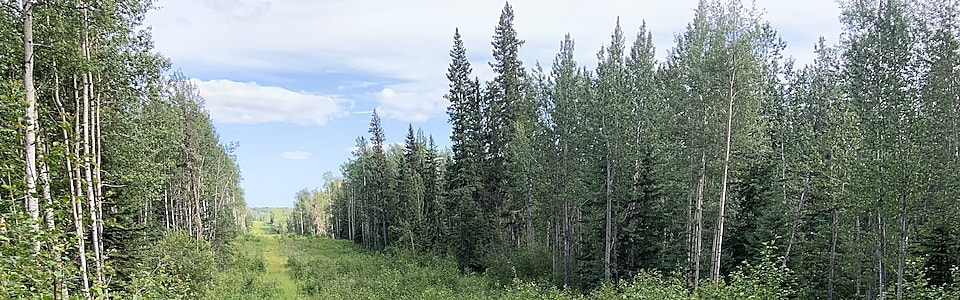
x,y
463,177
502,110
380,179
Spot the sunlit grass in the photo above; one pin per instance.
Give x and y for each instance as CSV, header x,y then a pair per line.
x,y
268,265
256,270
276,266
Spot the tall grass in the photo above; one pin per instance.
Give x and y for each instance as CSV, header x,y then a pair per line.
x,y
244,275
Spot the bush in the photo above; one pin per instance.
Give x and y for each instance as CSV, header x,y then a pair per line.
x,y
177,267
243,276
762,281
526,265
653,285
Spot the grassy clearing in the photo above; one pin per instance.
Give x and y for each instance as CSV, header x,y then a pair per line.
x,y
273,248
267,265
253,271
332,269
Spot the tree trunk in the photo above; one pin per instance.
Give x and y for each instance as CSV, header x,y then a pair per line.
x,y
833,247
529,209
59,287
98,183
554,243
567,241
567,234
45,181
351,213
198,212
31,122
608,235
383,214
796,222
72,178
166,209
881,234
316,217
90,194
698,219
903,245
81,244
718,240
87,121
861,254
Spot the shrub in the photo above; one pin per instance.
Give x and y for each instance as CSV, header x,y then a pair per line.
x,y
178,267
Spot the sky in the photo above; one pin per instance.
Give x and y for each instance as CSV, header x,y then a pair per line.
x,y
294,82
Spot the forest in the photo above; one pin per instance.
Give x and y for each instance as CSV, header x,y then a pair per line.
x,y
725,170
113,182
725,163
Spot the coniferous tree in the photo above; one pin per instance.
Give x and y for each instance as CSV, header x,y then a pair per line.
x,y
379,182
503,109
641,228
592,170
467,232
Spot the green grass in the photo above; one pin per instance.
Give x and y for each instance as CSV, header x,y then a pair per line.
x,y
274,260
267,265
254,270
336,269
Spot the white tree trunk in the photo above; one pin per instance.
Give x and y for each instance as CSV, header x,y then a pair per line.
x,y
87,120
30,120
796,222
718,240
75,186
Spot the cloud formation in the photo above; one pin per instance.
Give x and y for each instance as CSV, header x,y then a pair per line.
x,y
295,155
409,42
250,103
410,106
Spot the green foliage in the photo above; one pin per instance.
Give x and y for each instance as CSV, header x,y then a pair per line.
x,y
331,269
311,212
177,267
244,275
154,159
652,285
526,266
24,274
328,269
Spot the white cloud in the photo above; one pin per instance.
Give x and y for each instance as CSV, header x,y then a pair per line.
x,y
295,155
410,106
409,42
250,103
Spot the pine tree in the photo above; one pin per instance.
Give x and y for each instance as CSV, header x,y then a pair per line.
x,y
565,82
379,181
464,176
502,110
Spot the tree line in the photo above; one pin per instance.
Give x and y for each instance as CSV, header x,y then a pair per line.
x,y
103,155
724,155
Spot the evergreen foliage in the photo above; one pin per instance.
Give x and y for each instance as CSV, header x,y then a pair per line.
x,y
695,166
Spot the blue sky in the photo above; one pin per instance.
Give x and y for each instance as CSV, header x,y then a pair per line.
x,y
294,81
